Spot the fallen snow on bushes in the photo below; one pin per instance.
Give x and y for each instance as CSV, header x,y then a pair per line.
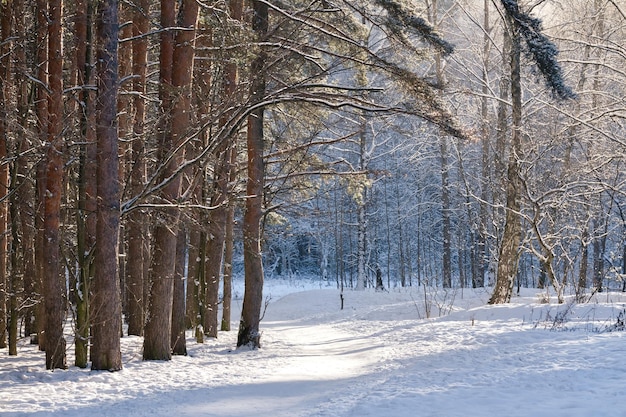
x,y
397,353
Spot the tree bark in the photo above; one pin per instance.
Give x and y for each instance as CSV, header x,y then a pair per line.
x,y
158,326
41,112
88,182
106,304
249,334
215,243
231,76
193,283
26,198
5,34
159,322
478,275
178,341
361,249
508,259
17,273
54,285
135,223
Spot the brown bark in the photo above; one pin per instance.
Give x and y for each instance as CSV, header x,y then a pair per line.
x,y
106,305
15,280
229,246
219,217
41,111
158,326
54,285
192,318
249,334
215,251
135,227
178,341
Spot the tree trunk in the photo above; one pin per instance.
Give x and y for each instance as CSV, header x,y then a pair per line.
x,y
445,214
54,285
125,132
445,175
17,272
509,251
599,247
193,283
87,206
106,303
229,247
249,334
361,213
41,111
215,244
135,223
158,326
26,201
584,264
231,80
178,341
478,277
5,34
159,322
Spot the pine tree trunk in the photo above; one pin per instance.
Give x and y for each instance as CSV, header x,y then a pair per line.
x,y
88,182
26,200
193,283
106,303
178,341
231,80
17,272
249,334
229,248
54,285
215,244
135,227
41,111
159,322
125,129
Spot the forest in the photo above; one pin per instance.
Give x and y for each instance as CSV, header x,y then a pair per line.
x,y
153,151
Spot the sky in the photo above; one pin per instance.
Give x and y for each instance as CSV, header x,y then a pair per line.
x,y
379,356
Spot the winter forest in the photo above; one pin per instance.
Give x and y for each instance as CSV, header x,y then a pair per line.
x,y
154,152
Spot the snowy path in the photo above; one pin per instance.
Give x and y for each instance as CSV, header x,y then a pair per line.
x,y
375,358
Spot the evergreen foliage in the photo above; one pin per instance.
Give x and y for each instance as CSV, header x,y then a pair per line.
x,y
400,19
542,51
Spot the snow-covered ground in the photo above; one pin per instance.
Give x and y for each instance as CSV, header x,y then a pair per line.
x,y
379,356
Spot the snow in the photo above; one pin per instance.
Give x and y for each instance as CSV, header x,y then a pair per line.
x,y
380,356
